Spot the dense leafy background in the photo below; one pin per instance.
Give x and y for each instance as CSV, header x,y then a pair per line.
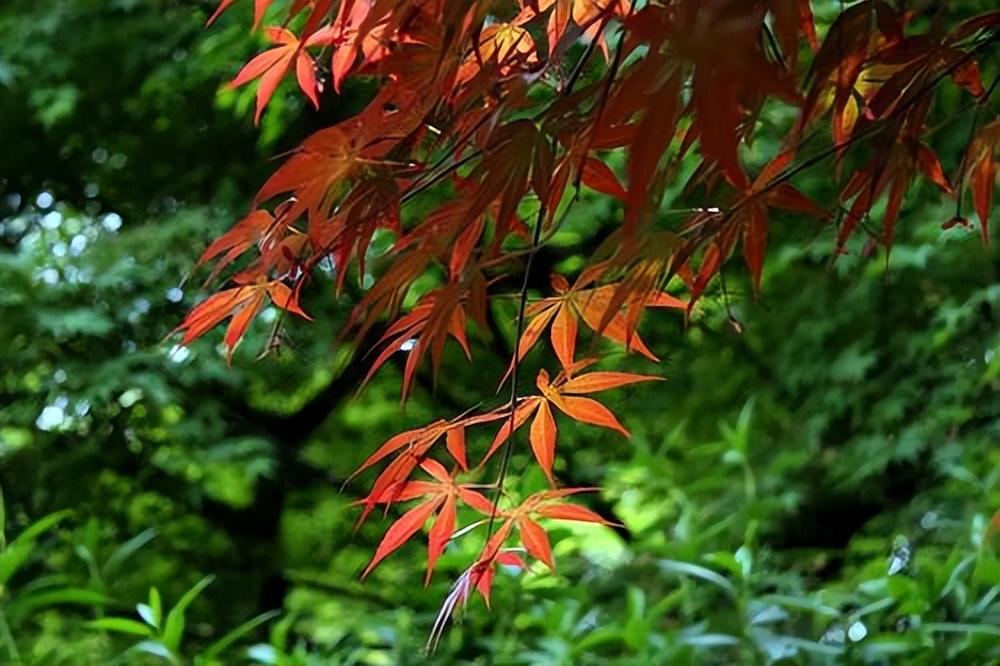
x,y
815,489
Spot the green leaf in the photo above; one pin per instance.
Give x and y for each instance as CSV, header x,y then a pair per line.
x,y
279,631
126,550
803,603
26,604
3,522
689,569
595,638
956,575
710,640
18,550
962,628
158,649
887,646
121,625
156,605
209,654
874,607
988,598
37,528
148,615
810,646
173,629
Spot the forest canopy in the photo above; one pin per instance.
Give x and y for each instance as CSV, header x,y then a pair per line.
x,y
668,329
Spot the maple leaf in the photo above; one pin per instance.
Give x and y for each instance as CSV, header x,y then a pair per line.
x,y
892,169
972,26
589,16
272,65
386,295
752,216
727,83
905,67
325,160
259,9
543,504
438,315
371,204
841,59
480,575
504,175
242,236
895,73
592,305
793,18
981,167
550,175
503,49
260,228
566,394
350,32
471,106
441,497
411,449
242,303
655,87
452,232
598,176
317,10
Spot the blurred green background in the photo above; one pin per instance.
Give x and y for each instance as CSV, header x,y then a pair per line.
x,y
814,490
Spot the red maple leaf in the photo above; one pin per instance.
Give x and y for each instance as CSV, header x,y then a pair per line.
x,y
242,303
441,497
272,65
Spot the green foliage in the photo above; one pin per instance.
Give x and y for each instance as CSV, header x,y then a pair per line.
x,y
163,632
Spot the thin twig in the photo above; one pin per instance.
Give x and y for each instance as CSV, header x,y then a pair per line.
x,y
512,404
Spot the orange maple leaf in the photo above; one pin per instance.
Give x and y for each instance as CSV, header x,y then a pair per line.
x,y
594,306
242,303
566,394
272,65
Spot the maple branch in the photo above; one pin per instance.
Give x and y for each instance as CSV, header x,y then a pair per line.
x,y
708,230
523,294
872,129
501,177
516,365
